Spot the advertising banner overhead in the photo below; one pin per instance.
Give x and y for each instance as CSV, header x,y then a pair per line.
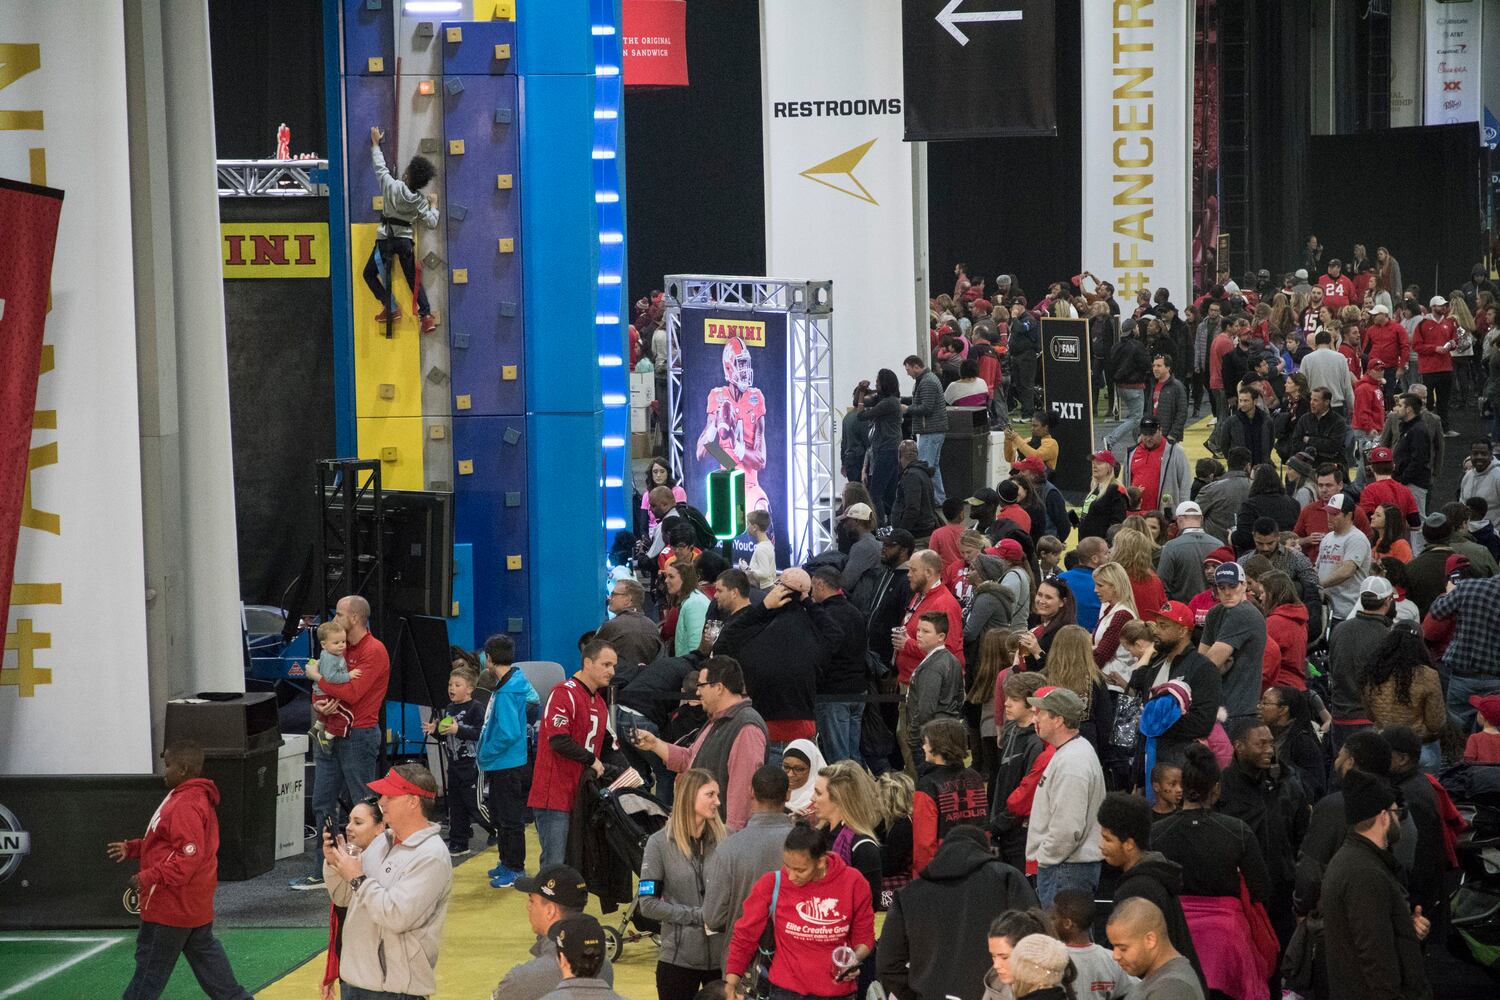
x,y
1137,146
972,72
1451,30
838,175
75,644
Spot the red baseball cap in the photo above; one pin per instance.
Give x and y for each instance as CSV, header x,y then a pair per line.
x,y
1010,550
1488,705
396,784
1175,611
1105,456
1031,464
1381,455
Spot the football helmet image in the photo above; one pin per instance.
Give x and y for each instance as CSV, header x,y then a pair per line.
x,y
738,371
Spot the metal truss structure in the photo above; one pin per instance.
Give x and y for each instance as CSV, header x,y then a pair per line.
x,y
811,457
273,178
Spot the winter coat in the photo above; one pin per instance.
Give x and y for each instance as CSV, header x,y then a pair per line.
x,y
1108,509
843,628
502,741
915,507
180,856
1287,625
1277,506
1369,405
1170,408
1221,500
1174,479
395,919
1181,564
678,903
1159,880
928,409
1275,807
933,944
782,655
1253,434
1371,946
1129,362
1322,436
992,607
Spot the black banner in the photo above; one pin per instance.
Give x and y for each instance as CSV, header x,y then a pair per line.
x,y
1068,391
978,68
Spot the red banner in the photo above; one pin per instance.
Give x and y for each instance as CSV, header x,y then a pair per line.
x,y
31,215
655,43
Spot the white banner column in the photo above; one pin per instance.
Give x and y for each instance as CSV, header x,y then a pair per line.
x,y
839,178
1138,146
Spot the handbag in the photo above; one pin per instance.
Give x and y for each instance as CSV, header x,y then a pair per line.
x,y
758,983
1304,955
1127,729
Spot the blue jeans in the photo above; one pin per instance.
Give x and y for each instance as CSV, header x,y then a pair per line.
x,y
346,768
156,949
930,450
1052,879
552,832
1132,405
347,992
839,726
1460,690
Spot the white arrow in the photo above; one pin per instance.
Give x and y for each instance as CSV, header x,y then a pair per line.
x,y
950,18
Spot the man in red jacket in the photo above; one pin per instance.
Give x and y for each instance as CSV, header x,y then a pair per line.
x,y
351,762
924,574
179,872
1386,341
1338,290
1434,341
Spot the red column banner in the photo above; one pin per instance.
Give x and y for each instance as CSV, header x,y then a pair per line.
x,y
654,37
31,214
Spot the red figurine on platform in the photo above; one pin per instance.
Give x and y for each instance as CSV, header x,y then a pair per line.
x,y
283,142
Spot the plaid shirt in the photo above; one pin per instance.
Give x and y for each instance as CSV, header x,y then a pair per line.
x,y
1475,649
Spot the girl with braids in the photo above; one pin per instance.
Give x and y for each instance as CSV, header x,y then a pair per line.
x,y
1216,852
1400,688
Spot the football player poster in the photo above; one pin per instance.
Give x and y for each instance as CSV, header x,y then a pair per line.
x,y
734,395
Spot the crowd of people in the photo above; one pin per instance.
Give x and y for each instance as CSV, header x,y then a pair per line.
x,y
1176,737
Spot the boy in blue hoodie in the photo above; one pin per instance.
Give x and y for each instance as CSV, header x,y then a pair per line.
x,y
502,757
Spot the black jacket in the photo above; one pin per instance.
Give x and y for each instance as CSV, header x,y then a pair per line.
x,y
939,923
1251,433
1019,749
887,609
1298,751
1234,368
1323,436
843,628
1413,455
1108,510
1277,506
1207,686
654,691
1275,808
1159,880
1372,948
782,655
1129,362
915,508
1426,875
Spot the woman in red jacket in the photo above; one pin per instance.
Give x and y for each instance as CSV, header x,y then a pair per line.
x,y
1286,623
816,906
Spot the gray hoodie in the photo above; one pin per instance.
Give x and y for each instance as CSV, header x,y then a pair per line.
x,y
402,205
678,904
583,989
542,975
395,918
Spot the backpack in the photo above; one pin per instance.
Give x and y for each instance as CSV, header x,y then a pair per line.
x,y
703,535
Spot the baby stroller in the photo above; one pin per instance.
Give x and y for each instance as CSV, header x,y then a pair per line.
x,y
629,817
1475,904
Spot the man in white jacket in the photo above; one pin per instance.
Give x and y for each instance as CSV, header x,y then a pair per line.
x,y
396,892
1063,834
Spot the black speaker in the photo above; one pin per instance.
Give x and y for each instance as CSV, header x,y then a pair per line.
x,y
240,740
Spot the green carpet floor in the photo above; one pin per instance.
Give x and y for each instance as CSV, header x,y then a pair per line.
x,y
37,965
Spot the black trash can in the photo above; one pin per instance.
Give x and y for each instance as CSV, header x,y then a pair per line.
x,y
240,740
966,451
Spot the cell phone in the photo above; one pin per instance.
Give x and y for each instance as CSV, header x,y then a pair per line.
x,y
330,828
627,730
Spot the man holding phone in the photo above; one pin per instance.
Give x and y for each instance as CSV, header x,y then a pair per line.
x,y
730,747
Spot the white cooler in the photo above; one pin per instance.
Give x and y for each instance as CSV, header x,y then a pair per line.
x,y
291,777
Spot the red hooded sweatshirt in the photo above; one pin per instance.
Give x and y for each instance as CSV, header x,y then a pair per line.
x,y
1287,624
1369,404
180,857
811,921
1387,341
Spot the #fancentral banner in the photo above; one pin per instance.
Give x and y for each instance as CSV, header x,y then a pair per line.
x,y
734,368
973,69
838,175
1451,32
1137,145
74,674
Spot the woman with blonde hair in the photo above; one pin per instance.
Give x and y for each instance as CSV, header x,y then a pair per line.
x,y
1135,553
674,860
897,791
846,804
1116,609
1070,664
1041,969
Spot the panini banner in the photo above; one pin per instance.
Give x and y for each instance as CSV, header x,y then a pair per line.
x,y
654,37
1137,146
74,674
838,176
974,70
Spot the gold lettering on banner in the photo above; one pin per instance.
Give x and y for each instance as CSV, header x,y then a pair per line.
x,y
1133,119
15,62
